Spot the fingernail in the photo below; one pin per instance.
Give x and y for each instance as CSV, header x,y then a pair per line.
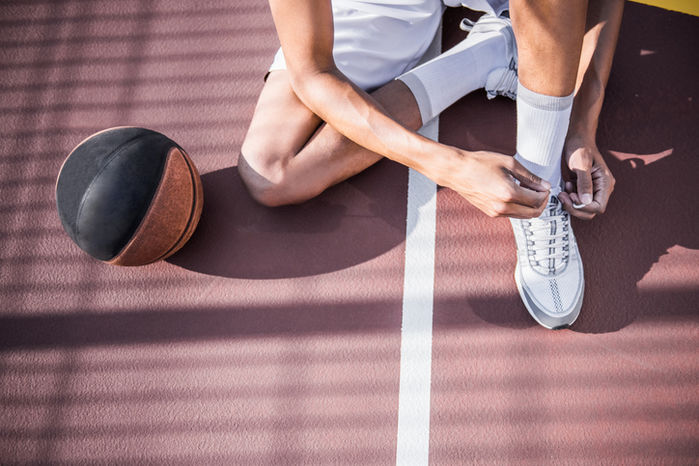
x,y
586,198
546,184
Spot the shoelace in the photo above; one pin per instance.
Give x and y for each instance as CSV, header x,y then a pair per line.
x,y
466,25
506,84
546,249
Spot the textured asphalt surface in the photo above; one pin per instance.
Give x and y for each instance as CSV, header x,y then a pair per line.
x,y
273,337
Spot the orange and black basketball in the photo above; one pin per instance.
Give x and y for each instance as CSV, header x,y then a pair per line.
x,y
129,196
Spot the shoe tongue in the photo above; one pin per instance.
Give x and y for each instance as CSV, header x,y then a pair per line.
x,y
553,202
554,205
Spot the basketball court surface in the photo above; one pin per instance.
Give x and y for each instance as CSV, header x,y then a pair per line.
x,y
377,324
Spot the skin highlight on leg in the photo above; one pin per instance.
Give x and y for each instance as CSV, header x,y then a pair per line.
x,y
549,40
290,156
279,128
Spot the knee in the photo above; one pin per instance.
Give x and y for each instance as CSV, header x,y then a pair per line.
x,y
265,183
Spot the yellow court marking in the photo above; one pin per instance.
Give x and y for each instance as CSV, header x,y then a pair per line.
x,y
691,7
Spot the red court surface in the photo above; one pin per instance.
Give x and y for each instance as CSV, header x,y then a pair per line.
x,y
274,336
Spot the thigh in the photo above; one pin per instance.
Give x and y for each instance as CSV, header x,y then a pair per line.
x,y
280,126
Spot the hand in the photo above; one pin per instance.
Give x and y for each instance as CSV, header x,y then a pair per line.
x,y
590,183
488,180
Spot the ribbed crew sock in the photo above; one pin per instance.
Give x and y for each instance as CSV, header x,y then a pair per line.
x,y
542,125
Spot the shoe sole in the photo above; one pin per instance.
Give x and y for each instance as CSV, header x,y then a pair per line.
x,y
541,317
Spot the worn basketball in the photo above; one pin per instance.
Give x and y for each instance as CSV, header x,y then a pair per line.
x,y
129,196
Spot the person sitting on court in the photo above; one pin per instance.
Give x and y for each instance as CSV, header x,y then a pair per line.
x,y
343,92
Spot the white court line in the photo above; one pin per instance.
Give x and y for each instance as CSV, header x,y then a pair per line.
x,y
413,442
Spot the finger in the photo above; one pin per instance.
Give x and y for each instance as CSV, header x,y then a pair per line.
x,y
576,199
602,191
566,173
585,212
584,182
528,197
600,199
527,178
577,203
572,210
570,188
521,211
591,208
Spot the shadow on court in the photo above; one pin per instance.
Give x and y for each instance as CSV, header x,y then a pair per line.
x,y
351,223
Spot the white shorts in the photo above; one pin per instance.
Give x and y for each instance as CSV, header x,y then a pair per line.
x,y
378,40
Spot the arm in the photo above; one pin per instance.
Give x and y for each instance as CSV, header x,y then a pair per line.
x,y
305,31
591,175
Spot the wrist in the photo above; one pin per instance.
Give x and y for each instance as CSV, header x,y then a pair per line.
x,y
579,138
439,162
581,134
582,127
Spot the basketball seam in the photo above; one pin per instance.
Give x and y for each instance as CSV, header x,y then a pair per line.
x,y
110,159
191,211
148,210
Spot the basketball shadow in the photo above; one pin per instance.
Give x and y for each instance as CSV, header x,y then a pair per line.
x,y
648,137
350,223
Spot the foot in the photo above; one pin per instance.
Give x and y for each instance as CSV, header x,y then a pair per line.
x,y
503,80
549,272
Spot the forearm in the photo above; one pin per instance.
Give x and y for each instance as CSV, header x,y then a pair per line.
x,y
356,115
305,29
599,43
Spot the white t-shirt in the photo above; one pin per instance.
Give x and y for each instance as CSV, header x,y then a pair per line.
x,y
378,40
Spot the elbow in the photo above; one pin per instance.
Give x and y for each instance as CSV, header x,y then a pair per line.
x,y
308,83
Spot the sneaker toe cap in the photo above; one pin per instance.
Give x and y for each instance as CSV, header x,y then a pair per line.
x,y
554,302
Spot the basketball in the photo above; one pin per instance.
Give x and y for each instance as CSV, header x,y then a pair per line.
x,y
129,196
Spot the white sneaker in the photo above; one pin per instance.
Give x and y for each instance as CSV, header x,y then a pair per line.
x,y
500,81
549,272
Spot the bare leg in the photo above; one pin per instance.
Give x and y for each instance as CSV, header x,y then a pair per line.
x,y
549,36
589,174
549,39
289,155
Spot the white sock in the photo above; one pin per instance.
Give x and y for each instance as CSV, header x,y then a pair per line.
x,y
462,69
542,125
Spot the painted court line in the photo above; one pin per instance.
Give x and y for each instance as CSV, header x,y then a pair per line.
x,y
413,435
690,7
413,438
416,331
